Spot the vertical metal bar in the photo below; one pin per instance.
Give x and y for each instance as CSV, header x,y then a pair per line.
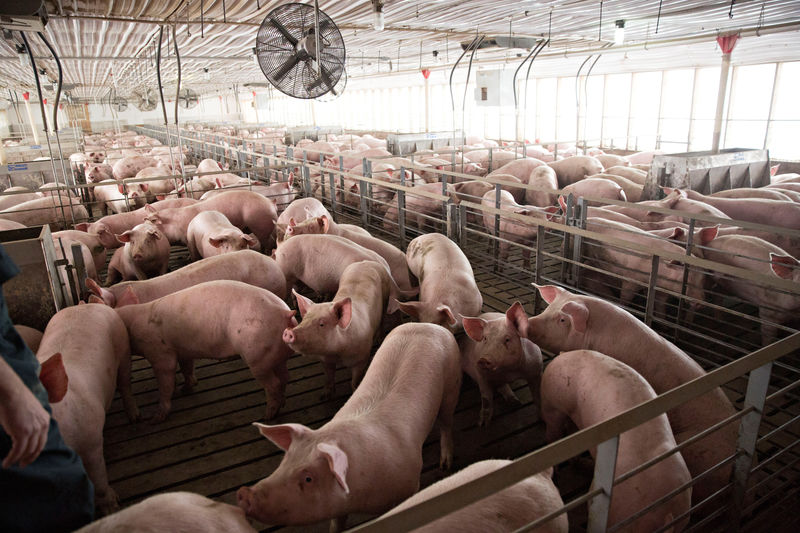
x,y
497,203
577,241
689,244
401,209
604,465
453,226
307,180
757,386
490,160
462,223
651,291
333,196
565,244
362,196
537,273
80,270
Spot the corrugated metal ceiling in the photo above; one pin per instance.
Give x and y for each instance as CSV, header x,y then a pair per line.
x,y
103,41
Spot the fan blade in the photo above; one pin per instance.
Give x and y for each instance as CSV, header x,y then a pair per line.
x,y
281,28
284,69
324,76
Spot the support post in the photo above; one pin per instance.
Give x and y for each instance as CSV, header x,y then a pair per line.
x,y
604,465
727,44
401,209
651,291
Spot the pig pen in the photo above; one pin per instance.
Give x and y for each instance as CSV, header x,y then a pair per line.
x,y
208,446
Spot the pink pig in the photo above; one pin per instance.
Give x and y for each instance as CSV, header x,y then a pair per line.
x,y
368,457
495,352
616,387
93,343
247,320
246,266
211,233
344,329
573,322
144,255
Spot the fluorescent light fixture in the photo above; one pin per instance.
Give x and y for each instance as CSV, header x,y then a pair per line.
x,y
377,10
619,32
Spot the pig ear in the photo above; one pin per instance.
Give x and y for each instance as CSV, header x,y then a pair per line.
x,y
303,303
551,213
337,461
578,314
216,243
291,321
154,233
517,319
121,188
410,308
150,209
53,376
218,182
83,226
473,327
676,234
447,314
284,434
706,235
292,222
344,312
249,240
291,179
549,292
783,265
94,299
128,297
144,186
124,237
324,223
563,204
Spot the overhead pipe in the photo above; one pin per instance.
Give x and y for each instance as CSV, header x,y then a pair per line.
x,y
44,121
514,86
177,99
578,102
452,96
527,79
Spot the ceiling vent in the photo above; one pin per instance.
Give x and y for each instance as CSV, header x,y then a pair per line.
x,y
504,41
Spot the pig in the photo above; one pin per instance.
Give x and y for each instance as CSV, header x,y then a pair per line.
x,y
112,196
208,165
368,457
597,188
792,193
93,344
611,160
420,209
99,172
495,352
172,512
300,210
344,329
32,337
471,191
758,255
145,254
771,212
573,322
64,274
643,157
633,191
616,387
159,184
519,168
247,321
128,167
633,268
575,168
544,179
210,233
498,158
785,178
507,510
507,183
16,195
10,224
635,175
58,211
246,266
447,284
244,209
511,229
395,258
320,260
109,226
745,192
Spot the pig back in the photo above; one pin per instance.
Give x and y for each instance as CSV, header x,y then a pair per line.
x,y
417,365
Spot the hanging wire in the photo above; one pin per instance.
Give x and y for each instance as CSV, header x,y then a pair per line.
x,y
600,27
760,20
658,18
549,27
730,12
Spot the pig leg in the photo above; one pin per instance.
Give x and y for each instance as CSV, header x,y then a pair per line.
x,y
445,420
628,292
487,398
526,259
106,499
358,371
124,387
113,276
189,379
164,369
274,386
338,524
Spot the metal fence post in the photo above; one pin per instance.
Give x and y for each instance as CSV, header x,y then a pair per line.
x,y
568,221
604,465
757,386
453,226
651,291
462,223
333,196
537,273
497,203
577,241
362,194
401,209
306,179
80,270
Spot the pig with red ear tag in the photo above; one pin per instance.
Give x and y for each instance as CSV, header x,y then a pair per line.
x,y
495,352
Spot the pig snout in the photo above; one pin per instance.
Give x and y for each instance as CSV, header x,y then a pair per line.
x,y
288,336
485,364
